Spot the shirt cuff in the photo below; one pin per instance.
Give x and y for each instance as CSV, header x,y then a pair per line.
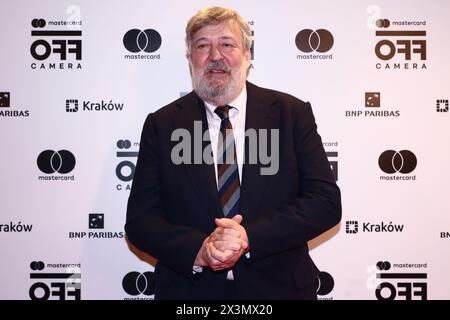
x,y
196,269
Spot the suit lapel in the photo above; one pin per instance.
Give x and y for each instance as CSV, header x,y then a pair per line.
x,y
201,176
260,114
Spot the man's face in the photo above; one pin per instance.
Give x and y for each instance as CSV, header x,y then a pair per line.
x,y
219,63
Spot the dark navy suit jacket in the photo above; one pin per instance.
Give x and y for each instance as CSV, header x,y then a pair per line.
x,y
171,208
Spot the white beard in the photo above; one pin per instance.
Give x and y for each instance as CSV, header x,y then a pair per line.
x,y
219,93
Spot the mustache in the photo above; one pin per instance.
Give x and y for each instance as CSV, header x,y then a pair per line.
x,y
217,65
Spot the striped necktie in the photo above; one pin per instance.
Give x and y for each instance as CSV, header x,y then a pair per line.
x,y
228,185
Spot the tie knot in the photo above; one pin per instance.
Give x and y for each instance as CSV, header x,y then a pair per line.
x,y
222,111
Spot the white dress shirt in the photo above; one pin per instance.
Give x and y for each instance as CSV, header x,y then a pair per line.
x,y
237,119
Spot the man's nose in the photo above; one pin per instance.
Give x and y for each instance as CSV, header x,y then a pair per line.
x,y
215,54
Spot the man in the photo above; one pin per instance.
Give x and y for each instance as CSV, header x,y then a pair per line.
x,y
227,229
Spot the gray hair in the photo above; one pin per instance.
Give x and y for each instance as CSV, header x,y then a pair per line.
x,y
213,16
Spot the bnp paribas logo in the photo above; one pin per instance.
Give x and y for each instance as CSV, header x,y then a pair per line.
x,y
372,99
96,229
373,108
96,221
7,110
4,100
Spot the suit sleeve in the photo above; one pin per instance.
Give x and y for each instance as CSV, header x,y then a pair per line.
x,y
317,207
147,226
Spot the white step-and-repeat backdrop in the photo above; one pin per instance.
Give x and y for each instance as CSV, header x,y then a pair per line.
x,y
77,80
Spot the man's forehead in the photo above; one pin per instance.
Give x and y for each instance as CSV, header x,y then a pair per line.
x,y
228,29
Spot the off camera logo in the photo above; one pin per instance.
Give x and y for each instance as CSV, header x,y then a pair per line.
x,y
125,169
60,285
62,161
59,45
403,44
136,41
408,285
136,283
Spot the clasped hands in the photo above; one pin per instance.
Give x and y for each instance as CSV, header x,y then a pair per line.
x,y
224,246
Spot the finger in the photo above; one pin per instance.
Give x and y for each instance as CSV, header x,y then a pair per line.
x,y
229,264
225,265
220,230
224,237
210,259
223,245
219,255
226,245
227,223
232,232
238,218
